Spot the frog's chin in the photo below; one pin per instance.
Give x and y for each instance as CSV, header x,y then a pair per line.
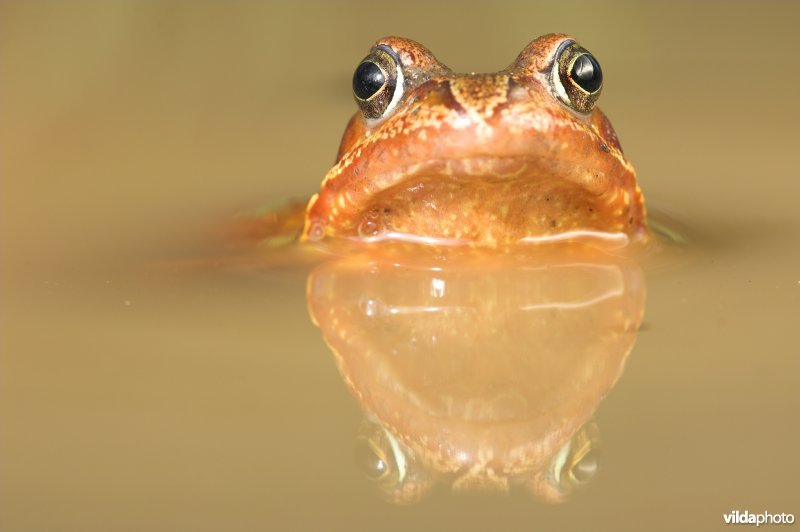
x,y
484,169
487,209
479,201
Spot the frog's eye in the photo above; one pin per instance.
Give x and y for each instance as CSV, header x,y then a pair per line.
x,y
378,83
577,78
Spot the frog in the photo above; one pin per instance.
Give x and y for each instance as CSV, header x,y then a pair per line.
x,y
483,160
461,163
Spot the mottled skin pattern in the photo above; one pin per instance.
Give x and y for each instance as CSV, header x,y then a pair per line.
x,y
479,159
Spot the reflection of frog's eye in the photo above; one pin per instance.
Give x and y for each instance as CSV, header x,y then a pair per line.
x,y
378,83
378,456
390,465
577,78
583,468
372,460
576,463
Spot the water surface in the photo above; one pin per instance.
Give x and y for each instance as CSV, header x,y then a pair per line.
x,y
133,398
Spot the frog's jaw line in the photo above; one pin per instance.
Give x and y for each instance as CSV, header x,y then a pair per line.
x,y
394,236
606,240
599,239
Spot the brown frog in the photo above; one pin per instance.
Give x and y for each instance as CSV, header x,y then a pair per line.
x,y
479,159
485,160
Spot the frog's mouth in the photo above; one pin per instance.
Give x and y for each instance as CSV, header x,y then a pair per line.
x,y
482,201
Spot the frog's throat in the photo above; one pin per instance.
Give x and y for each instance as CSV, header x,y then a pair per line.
x,y
481,200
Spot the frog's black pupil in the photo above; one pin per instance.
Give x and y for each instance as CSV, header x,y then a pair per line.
x,y
368,79
586,73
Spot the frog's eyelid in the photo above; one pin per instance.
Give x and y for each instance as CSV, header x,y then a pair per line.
x,y
555,79
400,83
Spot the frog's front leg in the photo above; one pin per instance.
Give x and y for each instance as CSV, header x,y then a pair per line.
x,y
269,228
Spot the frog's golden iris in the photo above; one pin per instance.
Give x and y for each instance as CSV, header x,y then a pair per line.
x,y
378,83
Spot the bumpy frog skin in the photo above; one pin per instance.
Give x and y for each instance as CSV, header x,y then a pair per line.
x,y
478,159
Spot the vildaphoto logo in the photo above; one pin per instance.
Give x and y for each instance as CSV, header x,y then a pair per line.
x,y
765,518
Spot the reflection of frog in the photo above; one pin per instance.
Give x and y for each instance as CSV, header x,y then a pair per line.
x,y
485,159
478,159
484,374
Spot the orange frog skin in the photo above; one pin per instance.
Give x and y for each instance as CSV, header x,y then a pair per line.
x,y
485,160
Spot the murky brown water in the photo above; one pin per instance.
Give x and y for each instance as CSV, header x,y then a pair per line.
x,y
137,399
